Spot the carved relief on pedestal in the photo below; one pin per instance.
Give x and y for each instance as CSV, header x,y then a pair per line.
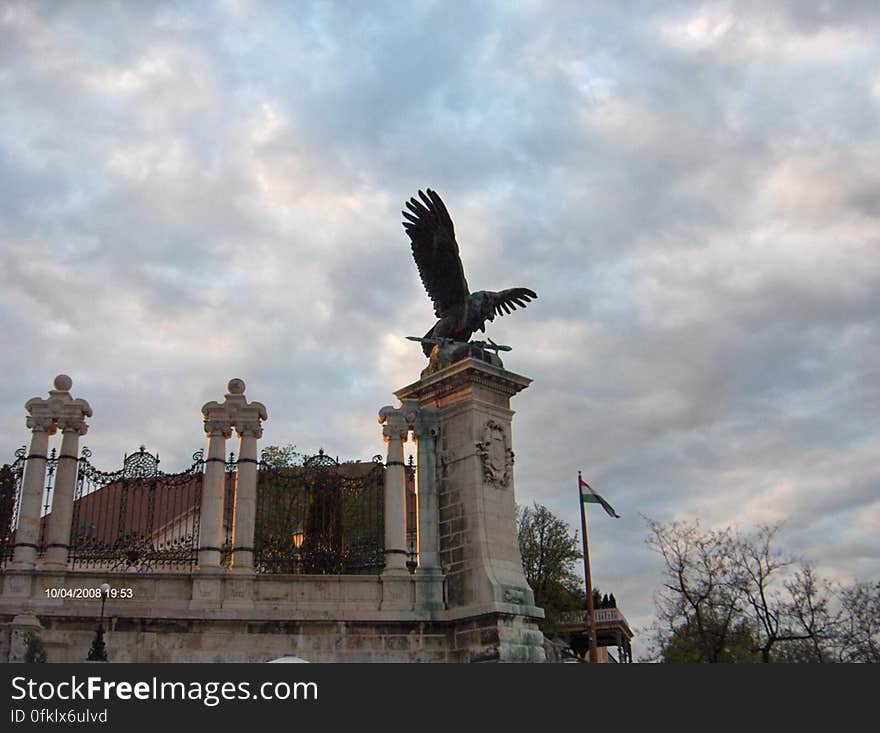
x,y
444,458
496,455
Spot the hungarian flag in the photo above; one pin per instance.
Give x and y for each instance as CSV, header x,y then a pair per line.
x,y
591,497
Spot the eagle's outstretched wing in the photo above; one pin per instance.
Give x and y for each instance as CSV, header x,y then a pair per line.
x,y
505,301
436,252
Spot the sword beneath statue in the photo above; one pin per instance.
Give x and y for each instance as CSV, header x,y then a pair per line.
x,y
489,345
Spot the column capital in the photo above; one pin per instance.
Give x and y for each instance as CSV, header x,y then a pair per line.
x,y
42,424
234,412
409,416
73,425
60,409
252,428
394,423
426,423
218,425
409,408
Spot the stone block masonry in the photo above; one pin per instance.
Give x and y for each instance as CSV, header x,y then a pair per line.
x,y
317,618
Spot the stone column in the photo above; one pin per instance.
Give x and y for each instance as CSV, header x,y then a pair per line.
x,y
218,427
248,419
425,431
73,425
27,533
394,431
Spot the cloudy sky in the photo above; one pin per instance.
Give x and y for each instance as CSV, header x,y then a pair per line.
x,y
196,191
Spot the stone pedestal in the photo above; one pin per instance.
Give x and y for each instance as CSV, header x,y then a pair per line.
x,y
475,489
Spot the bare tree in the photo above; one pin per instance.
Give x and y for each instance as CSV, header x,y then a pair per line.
x,y
761,569
809,610
732,597
699,600
858,636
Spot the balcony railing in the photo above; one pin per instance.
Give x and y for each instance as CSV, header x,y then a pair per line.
x,y
605,618
608,615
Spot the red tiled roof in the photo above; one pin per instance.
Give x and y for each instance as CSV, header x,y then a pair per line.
x,y
145,507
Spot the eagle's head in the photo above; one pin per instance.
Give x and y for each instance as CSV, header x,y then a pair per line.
x,y
481,309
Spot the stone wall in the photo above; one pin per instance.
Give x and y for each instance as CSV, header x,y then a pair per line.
x,y
486,639
252,618
67,639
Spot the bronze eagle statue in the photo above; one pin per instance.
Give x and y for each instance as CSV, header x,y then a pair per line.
x,y
460,312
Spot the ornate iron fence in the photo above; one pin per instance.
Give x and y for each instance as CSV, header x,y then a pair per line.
x,y
320,516
10,494
137,517
48,490
315,516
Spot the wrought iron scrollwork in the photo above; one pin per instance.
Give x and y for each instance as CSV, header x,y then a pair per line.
x,y
10,497
48,489
320,459
412,509
138,517
140,464
320,516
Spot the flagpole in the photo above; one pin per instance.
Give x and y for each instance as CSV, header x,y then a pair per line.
x,y
594,653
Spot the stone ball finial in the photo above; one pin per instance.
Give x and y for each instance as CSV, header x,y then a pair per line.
x,y
63,383
235,386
